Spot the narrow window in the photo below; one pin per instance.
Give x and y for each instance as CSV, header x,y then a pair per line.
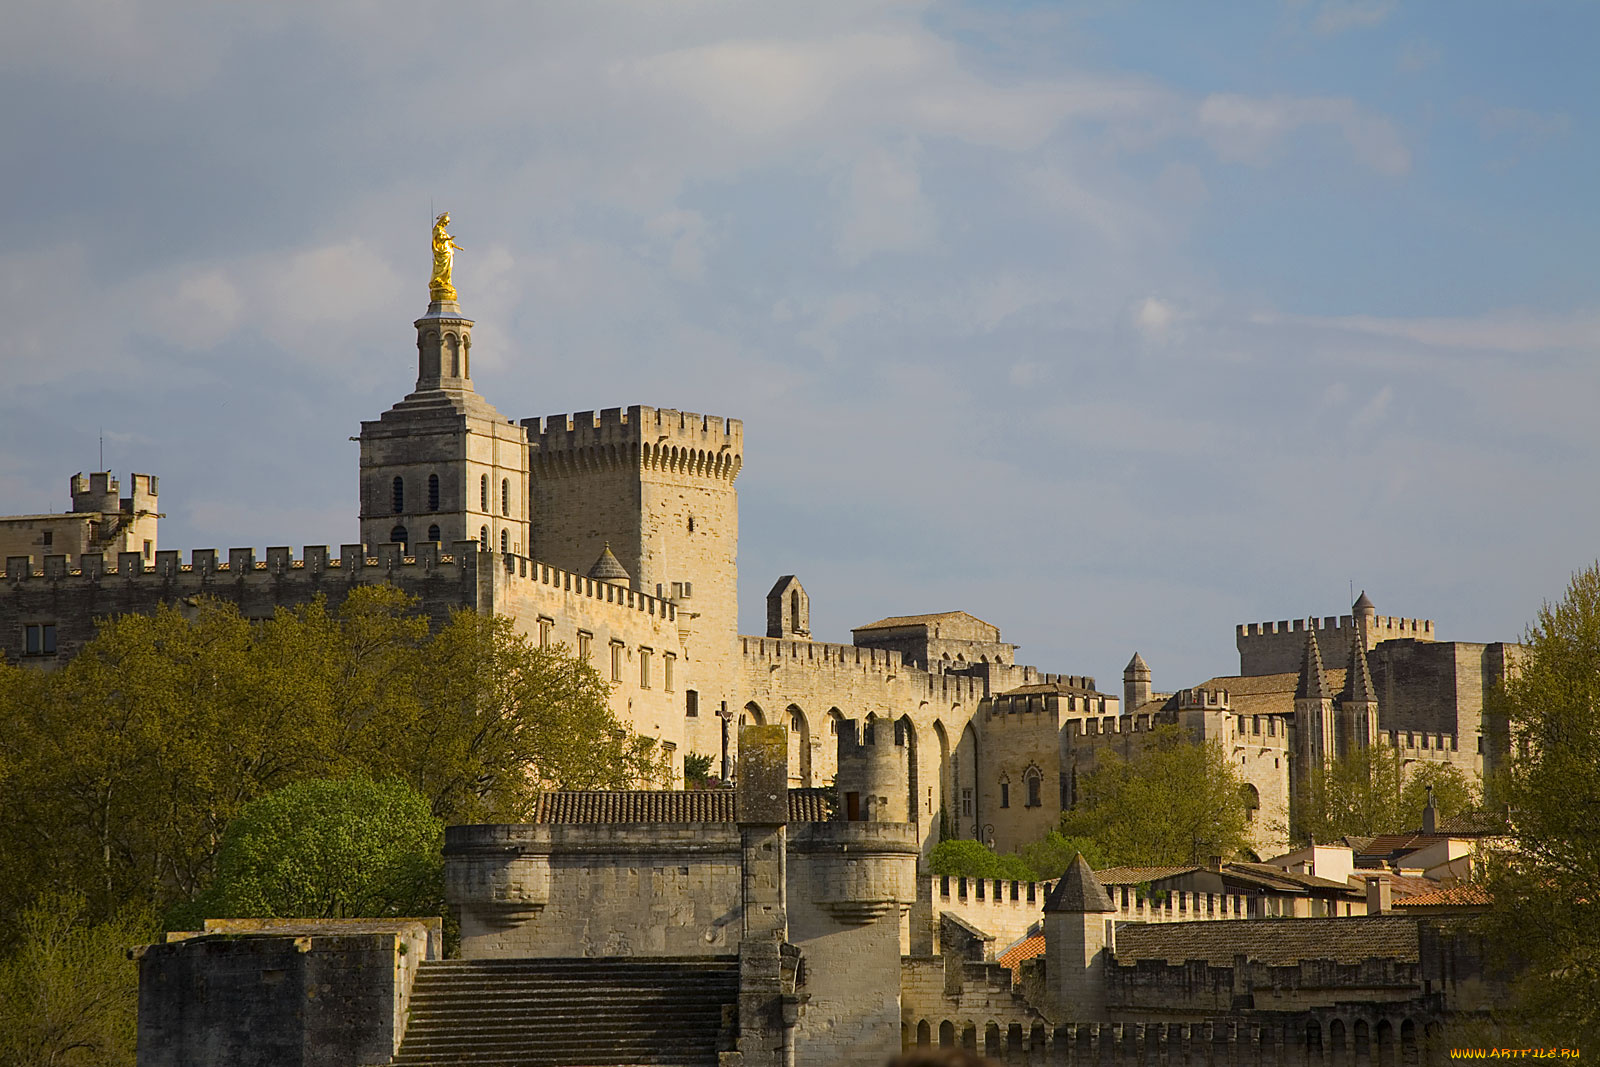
x,y
433,492
966,802
399,489
691,524
794,610
585,646
505,540
149,549
433,533
505,496
30,640
483,493
666,670
616,661
1033,790
1005,794
48,638
691,703
644,668
49,538
399,537
545,626
483,537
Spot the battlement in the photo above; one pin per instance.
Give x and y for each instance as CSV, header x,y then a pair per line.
x,y
1114,725
1006,704
1418,744
780,651
1216,699
1278,647
352,564
651,438
100,492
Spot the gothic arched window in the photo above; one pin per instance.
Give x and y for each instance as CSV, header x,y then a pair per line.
x,y
505,541
399,491
433,493
483,493
1033,779
483,537
505,496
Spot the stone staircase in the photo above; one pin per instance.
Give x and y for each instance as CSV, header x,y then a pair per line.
x,y
616,1012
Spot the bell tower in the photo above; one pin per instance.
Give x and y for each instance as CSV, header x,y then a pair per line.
x,y
442,464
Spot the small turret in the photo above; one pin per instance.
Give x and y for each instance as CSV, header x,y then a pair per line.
x,y
1313,710
1366,620
609,569
1358,704
1135,684
1079,931
97,492
873,776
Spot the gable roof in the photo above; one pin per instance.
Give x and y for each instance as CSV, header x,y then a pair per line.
x,y
1139,875
896,621
1274,942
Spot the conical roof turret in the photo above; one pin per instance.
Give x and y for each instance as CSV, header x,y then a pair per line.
x,y
1079,891
608,568
1136,665
1312,685
1363,604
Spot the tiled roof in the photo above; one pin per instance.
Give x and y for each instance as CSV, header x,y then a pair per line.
x,y
1475,824
1138,875
1455,896
895,621
1387,848
1268,694
579,807
1274,942
1265,874
1048,687
1026,949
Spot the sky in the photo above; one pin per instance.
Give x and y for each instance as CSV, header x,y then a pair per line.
x,y
1114,324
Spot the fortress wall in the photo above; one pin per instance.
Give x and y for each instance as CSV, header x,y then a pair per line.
x,y
818,678
1278,647
1158,990
1009,911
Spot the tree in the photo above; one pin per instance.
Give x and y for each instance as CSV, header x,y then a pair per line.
x,y
1366,792
1546,892
69,993
974,859
331,849
1050,857
124,769
1173,802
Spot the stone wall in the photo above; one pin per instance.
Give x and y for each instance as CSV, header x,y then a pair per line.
x,y
1278,647
291,994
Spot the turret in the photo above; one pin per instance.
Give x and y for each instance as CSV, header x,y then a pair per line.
x,y
789,610
873,778
1358,704
1079,932
608,569
1135,684
97,492
1366,619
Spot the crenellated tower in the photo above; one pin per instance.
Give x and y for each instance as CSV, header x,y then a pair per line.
x,y
658,486
443,464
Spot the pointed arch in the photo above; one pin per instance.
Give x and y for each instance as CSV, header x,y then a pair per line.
x,y
799,747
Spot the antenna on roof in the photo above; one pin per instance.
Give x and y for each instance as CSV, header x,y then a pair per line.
x,y
102,449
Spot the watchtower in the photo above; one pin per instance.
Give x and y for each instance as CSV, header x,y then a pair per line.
x,y
873,772
443,464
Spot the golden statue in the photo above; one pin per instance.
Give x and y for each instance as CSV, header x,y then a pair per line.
x,y
444,257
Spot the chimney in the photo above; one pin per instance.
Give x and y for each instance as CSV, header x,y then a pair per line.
x,y
1215,863
1379,895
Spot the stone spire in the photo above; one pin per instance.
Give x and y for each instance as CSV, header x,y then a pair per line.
x,y
1135,684
1078,891
1358,688
1312,686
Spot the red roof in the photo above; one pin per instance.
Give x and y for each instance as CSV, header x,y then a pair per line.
x,y
1026,949
1455,896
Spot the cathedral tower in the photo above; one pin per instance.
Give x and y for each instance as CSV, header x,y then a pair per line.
x,y
443,464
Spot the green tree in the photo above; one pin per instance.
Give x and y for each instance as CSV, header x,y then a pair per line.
x,y
334,848
1366,793
1173,802
1050,857
974,859
68,991
1546,892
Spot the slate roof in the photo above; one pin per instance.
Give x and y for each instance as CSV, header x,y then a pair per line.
x,y
595,807
1274,942
607,568
1311,683
1078,891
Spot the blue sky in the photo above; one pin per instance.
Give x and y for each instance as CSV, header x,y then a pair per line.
x,y
1115,324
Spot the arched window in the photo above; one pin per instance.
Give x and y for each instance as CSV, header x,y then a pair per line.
x,y
399,494
483,493
433,493
1033,779
1250,796
399,536
505,496
433,533
483,537
505,541
1005,792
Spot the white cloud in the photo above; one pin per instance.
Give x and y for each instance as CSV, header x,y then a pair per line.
x,y
1249,129
1154,319
1337,16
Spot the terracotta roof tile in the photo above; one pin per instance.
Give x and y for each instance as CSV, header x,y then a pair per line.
x,y
1274,942
1138,875
1455,896
1026,949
